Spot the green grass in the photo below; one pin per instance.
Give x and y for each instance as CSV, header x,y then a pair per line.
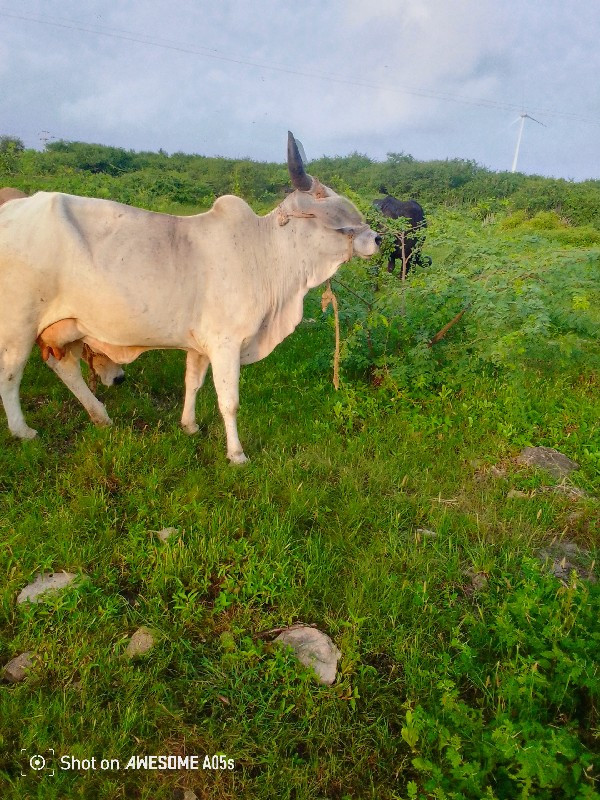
x,y
443,687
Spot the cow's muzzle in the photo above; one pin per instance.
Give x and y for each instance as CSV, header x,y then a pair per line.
x,y
366,243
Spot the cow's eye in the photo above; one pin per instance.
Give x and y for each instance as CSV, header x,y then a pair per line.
x,y
347,231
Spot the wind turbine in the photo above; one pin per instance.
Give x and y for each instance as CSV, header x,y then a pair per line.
x,y
522,117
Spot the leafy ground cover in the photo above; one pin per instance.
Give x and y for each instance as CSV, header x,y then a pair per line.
x,y
391,513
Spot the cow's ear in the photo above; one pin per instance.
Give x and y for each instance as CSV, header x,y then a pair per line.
x,y
318,190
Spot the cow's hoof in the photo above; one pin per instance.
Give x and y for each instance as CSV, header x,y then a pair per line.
x,y
190,429
237,458
102,422
25,433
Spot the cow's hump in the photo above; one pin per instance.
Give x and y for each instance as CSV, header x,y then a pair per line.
x,y
231,207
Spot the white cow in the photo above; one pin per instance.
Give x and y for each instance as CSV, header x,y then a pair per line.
x,y
227,286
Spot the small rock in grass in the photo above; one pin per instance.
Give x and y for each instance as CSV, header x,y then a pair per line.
x,y
565,557
557,464
567,489
517,493
140,643
17,668
575,516
46,582
428,534
166,533
477,581
188,794
562,568
313,649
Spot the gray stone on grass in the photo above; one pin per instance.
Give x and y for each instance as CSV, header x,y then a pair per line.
x,y
568,490
477,581
517,493
140,643
44,583
17,668
313,649
563,488
166,533
557,464
427,533
564,557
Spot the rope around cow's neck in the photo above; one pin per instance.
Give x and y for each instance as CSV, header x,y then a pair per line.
x,y
326,298
283,217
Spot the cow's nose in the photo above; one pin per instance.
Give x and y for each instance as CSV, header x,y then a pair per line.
x,y
118,380
378,240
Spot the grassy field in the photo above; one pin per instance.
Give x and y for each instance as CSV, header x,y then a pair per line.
x,y
396,520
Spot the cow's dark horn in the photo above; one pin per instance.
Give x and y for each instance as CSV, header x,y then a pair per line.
x,y
300,179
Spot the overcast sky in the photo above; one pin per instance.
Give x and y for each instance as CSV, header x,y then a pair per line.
x,y
433,78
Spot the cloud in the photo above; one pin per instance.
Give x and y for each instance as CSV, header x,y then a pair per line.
x,y
343,75
131,103
409,55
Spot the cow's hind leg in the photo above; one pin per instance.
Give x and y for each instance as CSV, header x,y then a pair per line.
x,y
196,365
68,370
226,377
13,358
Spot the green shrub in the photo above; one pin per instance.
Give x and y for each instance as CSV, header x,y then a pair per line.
x,y
523,302
524,663
514,220
546,221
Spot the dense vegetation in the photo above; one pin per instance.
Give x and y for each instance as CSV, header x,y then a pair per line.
x,y
160,180
391,513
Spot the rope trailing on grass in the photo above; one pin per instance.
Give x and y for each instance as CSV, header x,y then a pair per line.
x,y
327,298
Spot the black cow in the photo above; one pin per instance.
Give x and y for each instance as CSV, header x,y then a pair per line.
x,y
414,235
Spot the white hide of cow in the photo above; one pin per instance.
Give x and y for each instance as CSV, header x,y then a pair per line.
x,y
227,286
108,372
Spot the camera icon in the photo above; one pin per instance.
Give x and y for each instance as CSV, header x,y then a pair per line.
x,y
37,762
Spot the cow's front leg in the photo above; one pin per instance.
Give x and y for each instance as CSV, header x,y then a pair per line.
x,y
196,365
226,376
68,370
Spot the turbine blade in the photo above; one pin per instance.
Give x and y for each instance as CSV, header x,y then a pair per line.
x,y
533,119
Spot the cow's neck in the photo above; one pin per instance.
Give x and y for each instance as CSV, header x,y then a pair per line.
x,y
290,259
